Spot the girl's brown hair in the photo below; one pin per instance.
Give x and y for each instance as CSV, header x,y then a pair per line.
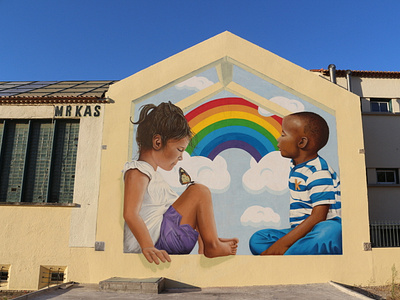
x,y
166,119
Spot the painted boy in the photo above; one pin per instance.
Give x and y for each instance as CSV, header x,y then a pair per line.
x,y
314,194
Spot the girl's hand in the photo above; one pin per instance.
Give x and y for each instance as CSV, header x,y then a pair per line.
x,y
152,254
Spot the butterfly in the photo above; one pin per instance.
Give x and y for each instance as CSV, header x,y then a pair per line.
x,y
184,177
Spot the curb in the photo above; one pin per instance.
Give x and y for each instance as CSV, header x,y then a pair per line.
x,y
45,290
349,291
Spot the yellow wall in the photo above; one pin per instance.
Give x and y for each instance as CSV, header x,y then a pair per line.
x,y
31,237
241,270
31,242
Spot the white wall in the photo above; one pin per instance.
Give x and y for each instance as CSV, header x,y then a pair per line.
x,y
381,140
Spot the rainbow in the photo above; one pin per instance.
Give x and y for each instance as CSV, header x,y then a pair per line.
x,y
227,123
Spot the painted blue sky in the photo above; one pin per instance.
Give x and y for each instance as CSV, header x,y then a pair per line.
x,y
110,40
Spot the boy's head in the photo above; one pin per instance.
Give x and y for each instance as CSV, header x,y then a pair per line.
x,y
303,132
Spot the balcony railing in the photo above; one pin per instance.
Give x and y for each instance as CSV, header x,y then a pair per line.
x,y
385,234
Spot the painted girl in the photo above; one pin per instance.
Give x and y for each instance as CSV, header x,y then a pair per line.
x,y
158,222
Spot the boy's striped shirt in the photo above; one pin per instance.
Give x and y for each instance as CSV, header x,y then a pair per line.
x,y
313,183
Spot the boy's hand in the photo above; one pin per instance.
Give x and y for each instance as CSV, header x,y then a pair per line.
x,y
152,254
276,249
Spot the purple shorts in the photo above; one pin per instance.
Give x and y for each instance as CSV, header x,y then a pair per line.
x,y
176,238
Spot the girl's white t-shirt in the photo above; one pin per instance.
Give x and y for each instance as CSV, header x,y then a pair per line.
x,y
158,198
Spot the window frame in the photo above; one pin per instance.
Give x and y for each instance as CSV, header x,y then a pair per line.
x,y
380,101
386,171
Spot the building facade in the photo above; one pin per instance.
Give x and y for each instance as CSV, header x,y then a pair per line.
x,y
62,153
379,94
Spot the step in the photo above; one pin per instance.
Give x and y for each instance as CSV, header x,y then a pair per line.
x,y
133,285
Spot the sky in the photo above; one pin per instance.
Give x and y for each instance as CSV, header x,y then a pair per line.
x,y
111,40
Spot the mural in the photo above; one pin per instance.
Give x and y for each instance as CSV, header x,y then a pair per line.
x,y
232,123
234,151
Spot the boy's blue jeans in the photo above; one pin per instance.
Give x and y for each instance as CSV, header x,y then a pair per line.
x,y
324,238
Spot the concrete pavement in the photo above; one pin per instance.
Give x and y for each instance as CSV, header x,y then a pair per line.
x,y
329,291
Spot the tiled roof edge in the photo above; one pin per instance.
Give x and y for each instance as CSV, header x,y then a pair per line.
x,y
356,73
51,99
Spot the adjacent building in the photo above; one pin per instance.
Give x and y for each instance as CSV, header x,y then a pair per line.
x,y
379,94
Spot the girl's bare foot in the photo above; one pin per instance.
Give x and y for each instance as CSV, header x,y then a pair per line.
x,y
223,247
235,240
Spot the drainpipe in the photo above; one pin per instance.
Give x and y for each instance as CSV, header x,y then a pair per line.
x,y
348,78
332,72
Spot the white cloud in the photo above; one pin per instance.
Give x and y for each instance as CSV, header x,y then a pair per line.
x,y
258,216
291,105
212,173
271,173
194,83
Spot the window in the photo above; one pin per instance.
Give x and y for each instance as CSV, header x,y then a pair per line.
x,y
387,176
380,105
4,275
50,275
37,160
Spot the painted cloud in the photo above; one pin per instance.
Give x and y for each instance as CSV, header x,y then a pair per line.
x,y
290,104
194,83
212,173
271,173
258,216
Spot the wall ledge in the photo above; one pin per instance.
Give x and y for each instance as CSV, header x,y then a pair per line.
x,y
38,204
